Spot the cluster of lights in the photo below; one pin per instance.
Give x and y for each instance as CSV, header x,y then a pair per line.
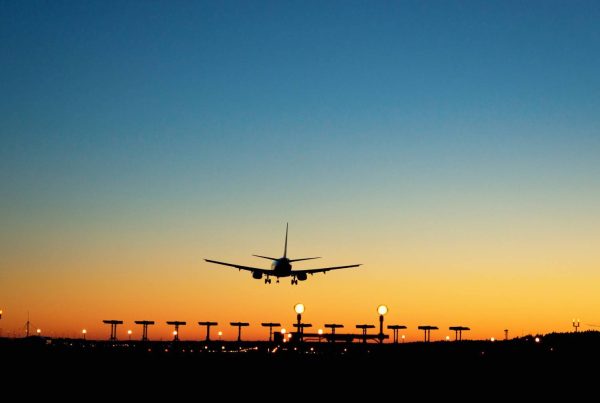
x,y
299,309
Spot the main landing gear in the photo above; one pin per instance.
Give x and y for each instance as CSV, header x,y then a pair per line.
x,y
294,281
267,281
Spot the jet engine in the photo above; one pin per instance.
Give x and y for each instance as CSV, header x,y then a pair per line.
x,y
301,276
257,275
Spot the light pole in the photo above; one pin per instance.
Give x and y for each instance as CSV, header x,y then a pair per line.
x,y
382,310
129,334
220,333
208,325
395,329
270,325
84,332
575,324
299,308
320,333
176,323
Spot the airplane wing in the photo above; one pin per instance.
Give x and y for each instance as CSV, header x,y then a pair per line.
x,y
239,267
323,269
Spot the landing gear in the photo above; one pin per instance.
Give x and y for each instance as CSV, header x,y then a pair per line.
x,y
267,281
294,281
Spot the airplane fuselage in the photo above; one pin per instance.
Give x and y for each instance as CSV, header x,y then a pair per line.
x,y
281,267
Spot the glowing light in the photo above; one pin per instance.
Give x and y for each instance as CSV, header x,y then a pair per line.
x,y
537,339
129,332
403,337
289,335
220,333
299,308
84,331
493,339
174,332
38,331
320,331
382,309
447,338
283,330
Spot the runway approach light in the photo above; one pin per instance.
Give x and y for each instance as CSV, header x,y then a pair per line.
x,y
299,308
382,309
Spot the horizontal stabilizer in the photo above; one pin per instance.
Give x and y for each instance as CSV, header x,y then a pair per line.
x,y
265,257
304,258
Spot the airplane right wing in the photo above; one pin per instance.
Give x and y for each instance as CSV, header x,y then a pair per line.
x,y
324,269
239,267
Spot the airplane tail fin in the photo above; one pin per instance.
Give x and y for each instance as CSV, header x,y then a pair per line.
x,y
304,258
285,247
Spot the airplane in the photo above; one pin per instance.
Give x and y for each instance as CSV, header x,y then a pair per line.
x,y
282,267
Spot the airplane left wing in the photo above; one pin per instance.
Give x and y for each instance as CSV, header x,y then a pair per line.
x,y
237,266
323,269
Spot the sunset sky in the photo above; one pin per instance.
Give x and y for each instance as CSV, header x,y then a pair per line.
x,y
451,147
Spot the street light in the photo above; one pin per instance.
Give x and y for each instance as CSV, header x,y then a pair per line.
x,y
403,337
220,333
381,310
299,308
84,332
129,334
38,331
320,333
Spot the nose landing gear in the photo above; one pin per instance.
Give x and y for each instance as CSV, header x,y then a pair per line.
x,y
267,281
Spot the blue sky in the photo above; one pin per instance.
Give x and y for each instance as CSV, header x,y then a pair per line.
x,y
407,119
272,100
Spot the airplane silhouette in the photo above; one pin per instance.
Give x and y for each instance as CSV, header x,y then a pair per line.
x,y
282,267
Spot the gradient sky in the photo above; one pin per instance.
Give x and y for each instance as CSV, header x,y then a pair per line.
x,y
452,148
